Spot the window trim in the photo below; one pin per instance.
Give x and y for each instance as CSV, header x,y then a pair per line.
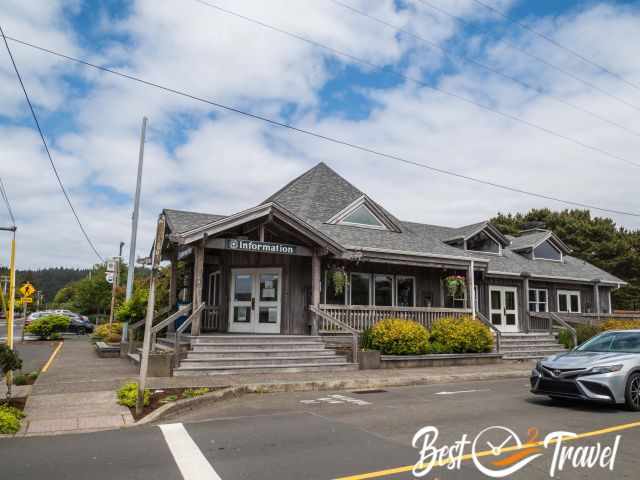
x,y
486,232
338,218
533,252
380,225
395,289
537,300
568,293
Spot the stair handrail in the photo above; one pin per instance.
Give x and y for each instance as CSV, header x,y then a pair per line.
x,y
164,323
355,341
132,327
180,330
561,321
495,329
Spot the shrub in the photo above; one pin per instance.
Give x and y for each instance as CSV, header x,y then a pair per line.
x,y
619,324
10,419
113,338
396,336
48,327
106,330
128,393
462,335
566,338
365,339
585,332
195,392
20,379
9,362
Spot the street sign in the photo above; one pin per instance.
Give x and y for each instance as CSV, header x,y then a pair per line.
x,y
109,277
27,290
24,300
111,266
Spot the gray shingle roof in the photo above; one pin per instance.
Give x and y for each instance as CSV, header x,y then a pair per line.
x,y
180,221
320,193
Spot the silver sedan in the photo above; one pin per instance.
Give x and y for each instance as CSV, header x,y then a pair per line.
x,y
605,369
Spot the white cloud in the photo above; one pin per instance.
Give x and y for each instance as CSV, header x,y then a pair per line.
x,y
200,158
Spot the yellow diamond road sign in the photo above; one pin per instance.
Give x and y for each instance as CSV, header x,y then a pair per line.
x,y
27,290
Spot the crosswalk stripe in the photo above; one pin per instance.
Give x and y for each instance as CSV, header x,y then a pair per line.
x,y
191,462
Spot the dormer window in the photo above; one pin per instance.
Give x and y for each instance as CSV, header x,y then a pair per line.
x,y
362,217
482,242
546,251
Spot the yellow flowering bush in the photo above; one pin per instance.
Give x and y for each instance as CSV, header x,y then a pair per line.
x,y
620,324
461,335
397,336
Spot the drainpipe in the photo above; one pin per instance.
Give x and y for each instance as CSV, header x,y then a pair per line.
x,y
596,297
525,301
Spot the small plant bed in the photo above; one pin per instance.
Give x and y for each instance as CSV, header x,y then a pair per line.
x,y
155,399
11,415
20,379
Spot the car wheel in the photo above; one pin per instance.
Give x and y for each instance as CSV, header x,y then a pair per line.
x,y
632,393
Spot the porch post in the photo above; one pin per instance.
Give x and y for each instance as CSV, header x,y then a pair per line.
x,y
315,289
472,289
526,320
198,271
173,284
596,298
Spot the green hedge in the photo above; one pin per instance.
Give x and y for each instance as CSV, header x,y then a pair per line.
x,y
10,419
48,327
396,336
461,335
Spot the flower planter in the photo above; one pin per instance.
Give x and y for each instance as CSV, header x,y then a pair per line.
x,y
369,359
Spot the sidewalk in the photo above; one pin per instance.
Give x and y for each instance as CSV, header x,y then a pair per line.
x,y
77,393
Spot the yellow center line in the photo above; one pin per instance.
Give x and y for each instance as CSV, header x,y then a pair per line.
x,y
51,358
469,456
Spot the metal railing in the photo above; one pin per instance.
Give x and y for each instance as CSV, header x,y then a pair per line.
x,y
338,326
495,329
544,321
362,317
180,330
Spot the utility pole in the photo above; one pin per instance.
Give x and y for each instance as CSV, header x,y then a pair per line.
x,y
134,219
12,293
151,303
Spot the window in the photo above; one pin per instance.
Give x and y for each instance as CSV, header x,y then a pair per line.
x,y
360,289
620,342
569,301
546,251
482,242
330,295
405,291
362,216
538,300
459,300
383,290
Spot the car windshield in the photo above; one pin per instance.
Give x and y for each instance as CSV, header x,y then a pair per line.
x,y
619,342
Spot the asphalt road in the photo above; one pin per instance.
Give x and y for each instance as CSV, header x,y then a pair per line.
x,y
17,329
318,435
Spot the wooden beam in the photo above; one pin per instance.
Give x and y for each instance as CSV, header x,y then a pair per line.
x,y
315,288
198,272
525,303
596,299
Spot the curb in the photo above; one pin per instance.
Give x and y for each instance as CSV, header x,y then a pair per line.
x,y
180,406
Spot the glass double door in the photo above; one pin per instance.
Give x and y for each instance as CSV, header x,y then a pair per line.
x,y
255,300
503,308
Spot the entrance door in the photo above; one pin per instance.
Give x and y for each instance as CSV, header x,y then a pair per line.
x,y
503,308
255,300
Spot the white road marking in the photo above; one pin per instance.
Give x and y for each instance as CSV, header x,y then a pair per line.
x,y
462,391
191,462
336,399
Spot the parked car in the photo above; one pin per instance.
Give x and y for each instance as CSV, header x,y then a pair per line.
x,y
78,324
605,369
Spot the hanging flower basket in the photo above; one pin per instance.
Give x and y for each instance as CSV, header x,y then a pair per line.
x,y
339,278
456,285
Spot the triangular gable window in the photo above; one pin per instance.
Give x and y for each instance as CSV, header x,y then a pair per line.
x,y
362,216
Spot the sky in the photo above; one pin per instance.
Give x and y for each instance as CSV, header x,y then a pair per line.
x,y
386,95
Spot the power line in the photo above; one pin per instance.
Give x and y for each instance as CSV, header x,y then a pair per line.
x,y
46,147
383,68
557,44
537,58
320,136
495,71
5,197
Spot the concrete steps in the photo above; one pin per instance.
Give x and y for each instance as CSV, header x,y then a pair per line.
x,y
529,346
234,354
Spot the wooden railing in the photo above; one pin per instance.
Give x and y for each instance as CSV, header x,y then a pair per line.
x,y
362,317
212,319
496,331
180,330
337,326
546,321
133,327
